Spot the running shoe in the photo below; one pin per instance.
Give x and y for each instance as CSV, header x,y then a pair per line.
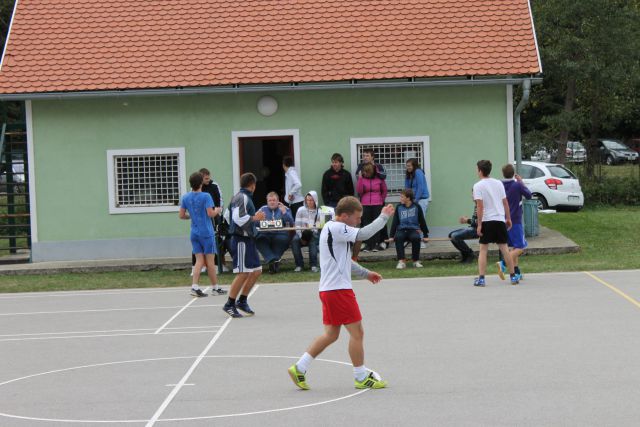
x,y
479,281
500,270
198,293
401,265
218,291
417,264
298,377
519,276
297,269
244,307
231,311
372,380
514,279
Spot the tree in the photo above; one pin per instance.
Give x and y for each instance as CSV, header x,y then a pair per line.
x,y
591,62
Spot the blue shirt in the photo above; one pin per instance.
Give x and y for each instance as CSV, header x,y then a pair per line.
x,y
418,184
274,214
196,203
409,218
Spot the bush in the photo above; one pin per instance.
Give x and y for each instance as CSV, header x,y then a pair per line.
x,y
611,190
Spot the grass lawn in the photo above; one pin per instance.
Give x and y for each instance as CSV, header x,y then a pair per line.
x,y
608,237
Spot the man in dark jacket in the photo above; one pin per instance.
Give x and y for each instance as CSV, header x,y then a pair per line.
x,y
336,182
459,236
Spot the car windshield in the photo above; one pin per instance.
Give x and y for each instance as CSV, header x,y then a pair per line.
x,y
558,171
614,145
575,145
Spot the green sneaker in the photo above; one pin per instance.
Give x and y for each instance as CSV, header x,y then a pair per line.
x,y
298,377
372,380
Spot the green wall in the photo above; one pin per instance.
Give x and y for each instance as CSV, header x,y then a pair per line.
x,y
71,138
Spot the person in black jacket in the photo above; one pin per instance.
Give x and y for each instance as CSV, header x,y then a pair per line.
x,y
459,236
336,182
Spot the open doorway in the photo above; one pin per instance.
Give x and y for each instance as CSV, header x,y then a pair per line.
x,y
262,156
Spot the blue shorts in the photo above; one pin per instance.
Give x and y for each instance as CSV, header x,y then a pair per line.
x,y
515,237
245,255
203,245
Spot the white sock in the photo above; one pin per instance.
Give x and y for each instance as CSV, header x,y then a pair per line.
x,y
195,287
304,362
360,372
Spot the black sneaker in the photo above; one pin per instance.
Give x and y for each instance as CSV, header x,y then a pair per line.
x,y
244,307
276,267
218,291
272,268
198,293
231,311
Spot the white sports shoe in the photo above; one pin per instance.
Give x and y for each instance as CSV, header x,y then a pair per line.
x,y
401,265
423,245
417,264
314,269
297,269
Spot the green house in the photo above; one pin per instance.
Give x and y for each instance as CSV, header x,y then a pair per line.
x,y
124,103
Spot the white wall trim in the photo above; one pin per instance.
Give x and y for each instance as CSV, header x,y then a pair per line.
x,y
510,135
144,151
535,38
235,151
425,161
6,43
31,164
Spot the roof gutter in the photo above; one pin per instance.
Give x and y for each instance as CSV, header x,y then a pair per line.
x,y
353,84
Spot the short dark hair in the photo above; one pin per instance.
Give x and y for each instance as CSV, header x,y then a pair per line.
x,y
287,161
508,171
337,157
370,151
348,205
484,166
205,171
408,193
247,180
195,180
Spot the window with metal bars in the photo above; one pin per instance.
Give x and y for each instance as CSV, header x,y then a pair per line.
x,y
145,181
393,155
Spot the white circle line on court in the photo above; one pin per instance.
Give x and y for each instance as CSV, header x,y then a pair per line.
x,y
92,292
239,414
100,310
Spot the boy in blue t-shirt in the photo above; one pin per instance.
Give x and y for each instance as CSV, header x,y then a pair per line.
x,y
407,226
198,207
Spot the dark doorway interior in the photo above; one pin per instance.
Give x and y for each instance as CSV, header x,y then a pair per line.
x,y
263,157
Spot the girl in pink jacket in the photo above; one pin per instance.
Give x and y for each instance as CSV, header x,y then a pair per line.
x,y
373,192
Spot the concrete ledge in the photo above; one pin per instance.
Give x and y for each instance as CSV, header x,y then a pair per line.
x,y
548,242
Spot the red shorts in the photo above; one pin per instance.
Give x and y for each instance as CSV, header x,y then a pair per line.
x,y
339,307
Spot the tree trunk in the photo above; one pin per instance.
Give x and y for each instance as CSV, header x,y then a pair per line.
x,y
593,155
569,101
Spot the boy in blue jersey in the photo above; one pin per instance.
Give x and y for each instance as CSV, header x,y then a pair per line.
x,y
198,207
407,226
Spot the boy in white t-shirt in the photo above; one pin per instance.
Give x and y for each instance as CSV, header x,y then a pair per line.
x,y
339,305
494,219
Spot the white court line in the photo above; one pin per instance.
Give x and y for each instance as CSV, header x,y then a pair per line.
x,y
195,364
180,311
105,309
68,337
90,293
104,331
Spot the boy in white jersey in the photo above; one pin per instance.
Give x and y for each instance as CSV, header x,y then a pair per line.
x,y
339,305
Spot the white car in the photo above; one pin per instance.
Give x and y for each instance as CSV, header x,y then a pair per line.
x,y
553,185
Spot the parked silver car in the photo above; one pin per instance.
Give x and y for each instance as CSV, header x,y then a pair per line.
x,y
575,152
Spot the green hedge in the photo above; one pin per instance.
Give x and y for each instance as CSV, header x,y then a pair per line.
x,y
612,190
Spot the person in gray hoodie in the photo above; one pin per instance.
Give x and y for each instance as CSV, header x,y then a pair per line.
x,y
307,217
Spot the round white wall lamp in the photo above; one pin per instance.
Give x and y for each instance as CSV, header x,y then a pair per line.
x,y
267,106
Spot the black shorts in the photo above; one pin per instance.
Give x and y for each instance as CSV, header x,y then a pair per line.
x,y
493,232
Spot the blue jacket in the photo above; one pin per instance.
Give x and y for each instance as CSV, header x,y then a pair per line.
x,y
409,218
418,183
273,214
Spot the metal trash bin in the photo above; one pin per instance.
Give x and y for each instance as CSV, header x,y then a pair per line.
x,y
530,218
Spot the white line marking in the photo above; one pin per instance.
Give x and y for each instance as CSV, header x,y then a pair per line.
x,y
67,337
173,385
179,311
89,293
105,309
186,376
172,419
107,331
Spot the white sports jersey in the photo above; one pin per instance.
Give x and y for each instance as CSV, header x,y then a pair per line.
x,y
336,241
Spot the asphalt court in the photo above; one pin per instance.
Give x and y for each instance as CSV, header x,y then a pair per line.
x,y
559,349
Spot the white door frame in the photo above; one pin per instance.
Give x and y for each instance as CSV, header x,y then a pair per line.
x,y
235,151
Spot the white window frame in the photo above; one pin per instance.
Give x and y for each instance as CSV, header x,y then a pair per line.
x,y
111,181
425,161
235,149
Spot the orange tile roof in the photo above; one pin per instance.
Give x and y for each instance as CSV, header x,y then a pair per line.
x,y
86,45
